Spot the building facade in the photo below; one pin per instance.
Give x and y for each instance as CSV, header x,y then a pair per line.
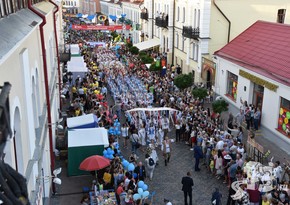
x,y
260,76
132,11
71,6
29,62
90,7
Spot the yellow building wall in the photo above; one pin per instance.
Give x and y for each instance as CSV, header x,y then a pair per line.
x,y
242,14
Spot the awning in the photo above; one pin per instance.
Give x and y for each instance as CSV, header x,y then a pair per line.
x,y
147,44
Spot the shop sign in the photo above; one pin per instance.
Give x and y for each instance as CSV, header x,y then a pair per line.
x,y
258,80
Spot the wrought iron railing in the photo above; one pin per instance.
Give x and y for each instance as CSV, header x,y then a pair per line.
x,y
189,32
161,21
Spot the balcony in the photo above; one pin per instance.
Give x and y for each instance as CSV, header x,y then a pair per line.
x,y
144,15
189,32
162,21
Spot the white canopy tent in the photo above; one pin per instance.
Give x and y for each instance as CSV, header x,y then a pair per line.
x,y
145,45
77,64
88,137
83,143
74,49
83,121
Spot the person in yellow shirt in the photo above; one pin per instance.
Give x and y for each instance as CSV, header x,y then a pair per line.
x,y
74,91
265,200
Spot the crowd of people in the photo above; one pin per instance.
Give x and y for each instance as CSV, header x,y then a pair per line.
x,y
219,147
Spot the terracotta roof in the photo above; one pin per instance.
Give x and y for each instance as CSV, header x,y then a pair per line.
x,y
263,48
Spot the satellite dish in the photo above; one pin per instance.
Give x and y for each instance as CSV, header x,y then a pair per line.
x,y
57,171
60,127
62,96
57,181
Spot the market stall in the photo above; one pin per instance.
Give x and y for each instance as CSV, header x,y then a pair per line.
x,y
83,143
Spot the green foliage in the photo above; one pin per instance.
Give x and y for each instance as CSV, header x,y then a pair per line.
x,y
129,45
154,68
114,34
134,50
220,106
200,93
183,81
142,53
147,59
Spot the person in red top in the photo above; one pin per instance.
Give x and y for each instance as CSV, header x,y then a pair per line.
x,y
254,195
119,190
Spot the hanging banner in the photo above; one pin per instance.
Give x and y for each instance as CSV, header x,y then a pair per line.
x,y
97,27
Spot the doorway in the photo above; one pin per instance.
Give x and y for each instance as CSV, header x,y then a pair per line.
x,y
258,96
208,79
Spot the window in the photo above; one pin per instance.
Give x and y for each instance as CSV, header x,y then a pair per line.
x,y
183,12
284,116
198,18
182,45
181,63
197,52
177,40
232,85
193,51
281,15
178,11
194,19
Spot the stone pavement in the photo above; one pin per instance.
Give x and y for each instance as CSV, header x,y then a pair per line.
x,y
167,180
279,147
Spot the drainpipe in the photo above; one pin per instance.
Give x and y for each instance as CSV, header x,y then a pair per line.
x,y
222,13
46,85
152,19
57,51
173,36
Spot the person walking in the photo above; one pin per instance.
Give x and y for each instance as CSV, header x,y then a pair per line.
x,y
125,134
135,141
140,171
187,184
216,197
150,165
197,155
166,150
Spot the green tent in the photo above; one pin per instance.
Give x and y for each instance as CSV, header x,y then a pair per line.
x,y
83,143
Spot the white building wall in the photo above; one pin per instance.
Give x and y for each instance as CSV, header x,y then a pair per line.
x,y
271,99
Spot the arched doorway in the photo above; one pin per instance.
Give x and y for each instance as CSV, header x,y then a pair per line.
x,y
17,139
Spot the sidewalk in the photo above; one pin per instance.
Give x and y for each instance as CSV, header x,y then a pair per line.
x,y
279,147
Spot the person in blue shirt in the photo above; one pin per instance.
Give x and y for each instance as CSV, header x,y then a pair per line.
x,y
197,155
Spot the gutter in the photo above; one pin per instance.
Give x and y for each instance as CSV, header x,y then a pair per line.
x,y
44,61
153,19
57,51
222,13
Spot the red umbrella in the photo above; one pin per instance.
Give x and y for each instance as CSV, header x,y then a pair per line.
x,y
94,162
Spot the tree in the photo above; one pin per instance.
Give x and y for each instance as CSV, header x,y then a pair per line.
x,y
200,93
220,106
183,81
153,67
134,50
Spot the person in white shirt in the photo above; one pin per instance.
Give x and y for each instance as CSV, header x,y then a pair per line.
x,y
165,124
142,136
125,133
160,136
219,145
277,171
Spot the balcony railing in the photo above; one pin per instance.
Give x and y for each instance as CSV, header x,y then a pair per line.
x,y
162,21
144,15
189,32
